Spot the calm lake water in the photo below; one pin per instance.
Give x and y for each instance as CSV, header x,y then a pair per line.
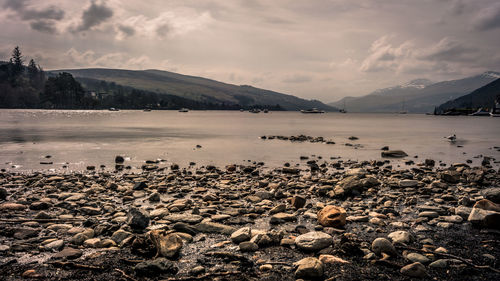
x,y
83,138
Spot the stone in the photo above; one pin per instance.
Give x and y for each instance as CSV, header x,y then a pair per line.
x,y
329,259
185,228
401,236
242,234
55,245
248,246
441,263
12,207
266,267
309,268
167,245
137,219
492,194
428,214
92,243
3,193
298,202
414,270
212,227
187,218
155,267
332,216
485,214
90,211
408,183
416,257
277,209
394,153
382,245
140,185
119,159
120,235
449,176
282,217
68,253
313,241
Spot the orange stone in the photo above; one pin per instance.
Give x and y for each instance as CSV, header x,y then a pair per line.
x,y
332,216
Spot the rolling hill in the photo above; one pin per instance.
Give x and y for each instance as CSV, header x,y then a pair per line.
x,y
417,96
196,88
483,97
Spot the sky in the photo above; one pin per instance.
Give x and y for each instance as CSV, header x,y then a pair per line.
x,y
314,49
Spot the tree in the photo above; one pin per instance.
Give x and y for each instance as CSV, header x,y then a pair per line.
x,y
16,61
33,72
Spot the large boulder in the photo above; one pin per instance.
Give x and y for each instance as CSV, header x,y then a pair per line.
x,y
313,241
137,219
332,216
485,214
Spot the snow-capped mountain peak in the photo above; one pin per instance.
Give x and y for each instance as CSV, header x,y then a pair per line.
x,y
491,74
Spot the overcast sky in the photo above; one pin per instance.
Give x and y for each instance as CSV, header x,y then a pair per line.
x,y
321,49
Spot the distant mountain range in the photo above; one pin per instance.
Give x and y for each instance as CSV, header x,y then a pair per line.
x,y
416,96
196,88
483,97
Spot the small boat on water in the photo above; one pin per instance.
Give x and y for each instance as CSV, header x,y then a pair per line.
x,y
480,112
495,112
183,110
113,109
147,110
312,110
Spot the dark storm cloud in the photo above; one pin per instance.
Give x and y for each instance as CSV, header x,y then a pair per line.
x,y
43,26
26,13
163,30
126,30
94,16
488,18
451,50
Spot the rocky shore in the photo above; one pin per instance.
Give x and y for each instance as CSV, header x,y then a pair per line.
x,y
330,221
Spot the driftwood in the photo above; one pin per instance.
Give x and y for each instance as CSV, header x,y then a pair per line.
x,y
125,275
207,276
75,265
466,261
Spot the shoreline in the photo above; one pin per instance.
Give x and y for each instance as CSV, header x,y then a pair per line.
x,y
249,223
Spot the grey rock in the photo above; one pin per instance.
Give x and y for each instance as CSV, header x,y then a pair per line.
x,y
382,245
212,227
313,241
416,257
242,234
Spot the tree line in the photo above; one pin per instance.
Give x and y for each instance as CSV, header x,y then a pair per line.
x,y
29,86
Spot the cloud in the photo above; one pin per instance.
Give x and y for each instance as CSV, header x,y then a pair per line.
x,y
26,13
124,31
384,56
90,58
169,24
42,20
449,50
93,16
45,26
298,78
487,18
448,56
